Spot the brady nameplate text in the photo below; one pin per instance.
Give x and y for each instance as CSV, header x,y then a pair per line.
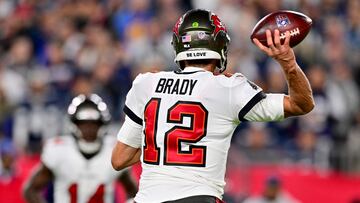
x,y
175,86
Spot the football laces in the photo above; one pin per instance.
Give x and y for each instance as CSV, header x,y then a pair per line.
x,y
293,32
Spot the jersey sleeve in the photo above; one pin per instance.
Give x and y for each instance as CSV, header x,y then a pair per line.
x,y
270,108
132,107
49,155
130,133
244,96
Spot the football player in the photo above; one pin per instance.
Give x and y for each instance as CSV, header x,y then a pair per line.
x,y
179,124
79,163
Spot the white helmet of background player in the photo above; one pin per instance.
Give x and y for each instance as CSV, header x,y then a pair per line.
x,y
88,114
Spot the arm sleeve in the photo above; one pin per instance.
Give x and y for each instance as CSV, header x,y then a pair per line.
x,y
244,96
270,108
130,133
132,108
49,155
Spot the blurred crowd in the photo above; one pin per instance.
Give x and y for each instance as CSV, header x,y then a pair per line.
x,y
50,51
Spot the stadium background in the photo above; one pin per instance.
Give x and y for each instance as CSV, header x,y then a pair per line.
x,y
51,51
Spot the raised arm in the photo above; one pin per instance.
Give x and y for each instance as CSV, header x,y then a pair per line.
x,y
300,99
36,183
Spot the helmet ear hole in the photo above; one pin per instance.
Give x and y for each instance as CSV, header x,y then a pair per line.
x,y
182,64
218,64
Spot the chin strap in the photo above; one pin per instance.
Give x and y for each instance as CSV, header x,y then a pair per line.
x,y
89,147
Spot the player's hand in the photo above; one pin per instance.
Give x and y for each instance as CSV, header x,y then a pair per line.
x,y
282,53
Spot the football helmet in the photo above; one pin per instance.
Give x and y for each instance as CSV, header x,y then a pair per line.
x,y
88,108
200,34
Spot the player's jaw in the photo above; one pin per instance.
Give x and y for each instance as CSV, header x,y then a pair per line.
x,y
89,130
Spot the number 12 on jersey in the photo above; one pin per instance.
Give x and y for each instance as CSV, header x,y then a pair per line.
x,y
195,155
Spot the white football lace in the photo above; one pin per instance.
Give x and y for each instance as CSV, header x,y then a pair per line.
x,y
293,32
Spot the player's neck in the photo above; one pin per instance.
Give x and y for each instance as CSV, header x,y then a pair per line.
x,y
206,64
207,67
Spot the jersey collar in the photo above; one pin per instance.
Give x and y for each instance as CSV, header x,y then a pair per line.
x,y
191,69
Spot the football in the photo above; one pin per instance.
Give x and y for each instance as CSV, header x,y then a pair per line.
x,y
296,23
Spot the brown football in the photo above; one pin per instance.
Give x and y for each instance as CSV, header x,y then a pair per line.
x,y
296,23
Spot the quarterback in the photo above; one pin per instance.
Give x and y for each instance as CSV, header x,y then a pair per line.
x,y
179,124
79,163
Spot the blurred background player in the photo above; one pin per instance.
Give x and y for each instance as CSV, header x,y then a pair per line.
x,y
79,163
273,193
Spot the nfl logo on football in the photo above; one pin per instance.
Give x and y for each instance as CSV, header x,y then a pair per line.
x,y
282,21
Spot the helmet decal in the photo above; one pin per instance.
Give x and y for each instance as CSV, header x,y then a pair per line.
x,y
219,26
201,35
177,25
195,24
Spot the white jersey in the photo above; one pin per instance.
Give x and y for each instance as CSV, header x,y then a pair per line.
x,y
77,179
187,121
